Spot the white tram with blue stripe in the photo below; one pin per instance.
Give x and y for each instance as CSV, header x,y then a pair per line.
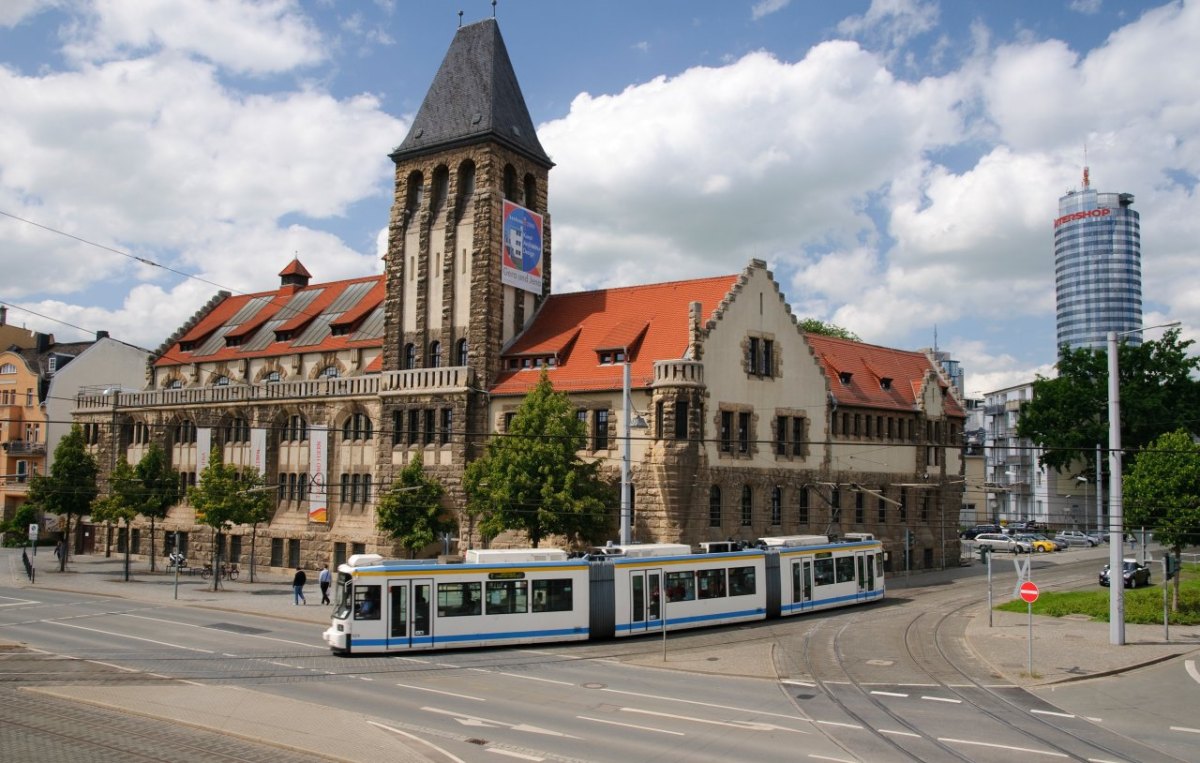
x,y
529,596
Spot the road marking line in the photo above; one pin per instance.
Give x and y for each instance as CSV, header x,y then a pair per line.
x,y
115,667
744,725
418,740
248,635
814,756
1190,666
1185,728
894,732
535,678
439,691
889,693
705,704
839,724
135,638
1035,711
631,725
943,699
805,684
1030,750
511,754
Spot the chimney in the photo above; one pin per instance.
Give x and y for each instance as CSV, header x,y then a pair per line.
x,y
42,342
101,335
3,314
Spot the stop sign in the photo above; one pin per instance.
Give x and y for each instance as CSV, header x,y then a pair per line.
x,y
1029,591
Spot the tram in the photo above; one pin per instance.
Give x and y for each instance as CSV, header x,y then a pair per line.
x,y
529,596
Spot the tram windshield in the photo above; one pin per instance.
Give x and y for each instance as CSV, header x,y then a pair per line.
x,y
342,596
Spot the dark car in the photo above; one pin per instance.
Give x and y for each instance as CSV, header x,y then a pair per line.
x,y
977,529
1135,574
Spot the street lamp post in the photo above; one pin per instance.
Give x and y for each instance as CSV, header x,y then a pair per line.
x,y
1084,480
1116,519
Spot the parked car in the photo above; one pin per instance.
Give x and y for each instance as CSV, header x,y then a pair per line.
x,y
1002,542
971,533
1135,574
1038,544
1099,536
1077,538
1059,545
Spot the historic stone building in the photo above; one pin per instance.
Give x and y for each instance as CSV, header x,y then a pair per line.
x,y
751,426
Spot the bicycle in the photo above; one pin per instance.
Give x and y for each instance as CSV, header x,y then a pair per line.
x,y
229,571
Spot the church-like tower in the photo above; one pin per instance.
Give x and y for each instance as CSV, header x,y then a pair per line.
x,y
470,165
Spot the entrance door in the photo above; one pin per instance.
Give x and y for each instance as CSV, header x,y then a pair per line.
x,y
866,571
645,598
409,623
802,577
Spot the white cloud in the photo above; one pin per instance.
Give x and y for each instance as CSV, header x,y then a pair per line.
x,y
1086,7
253,37
894,22
13,12
767,7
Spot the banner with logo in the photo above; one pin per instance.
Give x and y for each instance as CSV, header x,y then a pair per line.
x,y
258,450
318,447
521,248
203,451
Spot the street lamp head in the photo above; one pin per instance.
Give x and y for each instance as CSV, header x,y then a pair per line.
x,y
1081,478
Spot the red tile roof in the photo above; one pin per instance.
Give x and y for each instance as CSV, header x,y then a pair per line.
x,y
293,313
295,268
651,321
872,368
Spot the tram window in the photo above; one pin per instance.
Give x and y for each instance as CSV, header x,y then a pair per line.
x,y
458,599
710,584
341,602
681,586
506,597
553,595
845,569
823,572
366,602
741,581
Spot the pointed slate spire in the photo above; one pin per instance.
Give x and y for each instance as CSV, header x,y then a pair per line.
x,y
474,98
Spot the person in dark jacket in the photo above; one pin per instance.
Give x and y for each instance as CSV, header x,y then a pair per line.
x,y
298,587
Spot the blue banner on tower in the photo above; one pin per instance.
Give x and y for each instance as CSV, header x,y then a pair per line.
x,y
521,249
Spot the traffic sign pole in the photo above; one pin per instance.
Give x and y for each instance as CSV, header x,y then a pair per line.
x,y
1029,592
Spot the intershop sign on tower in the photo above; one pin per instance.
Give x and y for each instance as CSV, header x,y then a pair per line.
x,y
1102,212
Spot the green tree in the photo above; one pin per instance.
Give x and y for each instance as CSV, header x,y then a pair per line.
x,y
814,326
1068,414
16,532
121,503
1162,491
70,486
224,497
160,489
532,479
410,510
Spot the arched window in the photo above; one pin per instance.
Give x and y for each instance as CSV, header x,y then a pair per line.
x,y
435,354
747,507
714,506
357,427
221,381
295,429
328,372
410,356
466,187
416,193
510,183
441,187
776,505
461,352
272,377
175,384
530,192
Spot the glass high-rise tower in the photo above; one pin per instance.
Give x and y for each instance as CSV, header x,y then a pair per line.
x,y
1097,267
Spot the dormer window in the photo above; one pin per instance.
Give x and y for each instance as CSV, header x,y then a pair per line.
x,y
845,376
885,383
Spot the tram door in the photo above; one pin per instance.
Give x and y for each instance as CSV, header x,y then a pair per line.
x,y
802,581
408,613
865,562
645,598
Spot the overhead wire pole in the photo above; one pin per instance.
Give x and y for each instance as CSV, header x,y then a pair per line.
x,y
626,519
1116,518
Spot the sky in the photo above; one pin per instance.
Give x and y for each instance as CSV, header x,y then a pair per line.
x,y
897,163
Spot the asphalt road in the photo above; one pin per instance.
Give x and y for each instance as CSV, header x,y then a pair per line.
x,y
896,681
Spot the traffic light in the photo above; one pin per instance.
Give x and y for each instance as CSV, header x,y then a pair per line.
x,y
908,538
1172,567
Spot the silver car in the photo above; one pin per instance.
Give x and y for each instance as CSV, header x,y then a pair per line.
x,y
1001,542
1077,538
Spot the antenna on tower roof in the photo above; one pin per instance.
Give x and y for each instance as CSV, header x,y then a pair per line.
x,y
1086,180
493,8
460,19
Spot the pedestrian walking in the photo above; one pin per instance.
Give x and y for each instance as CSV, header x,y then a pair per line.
x,y
324,579
298,587
58,549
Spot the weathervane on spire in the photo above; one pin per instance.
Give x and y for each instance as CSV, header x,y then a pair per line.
x,y
460,18
493,8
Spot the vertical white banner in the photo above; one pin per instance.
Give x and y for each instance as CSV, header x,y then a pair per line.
x,y
318,447
258,450
203,451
